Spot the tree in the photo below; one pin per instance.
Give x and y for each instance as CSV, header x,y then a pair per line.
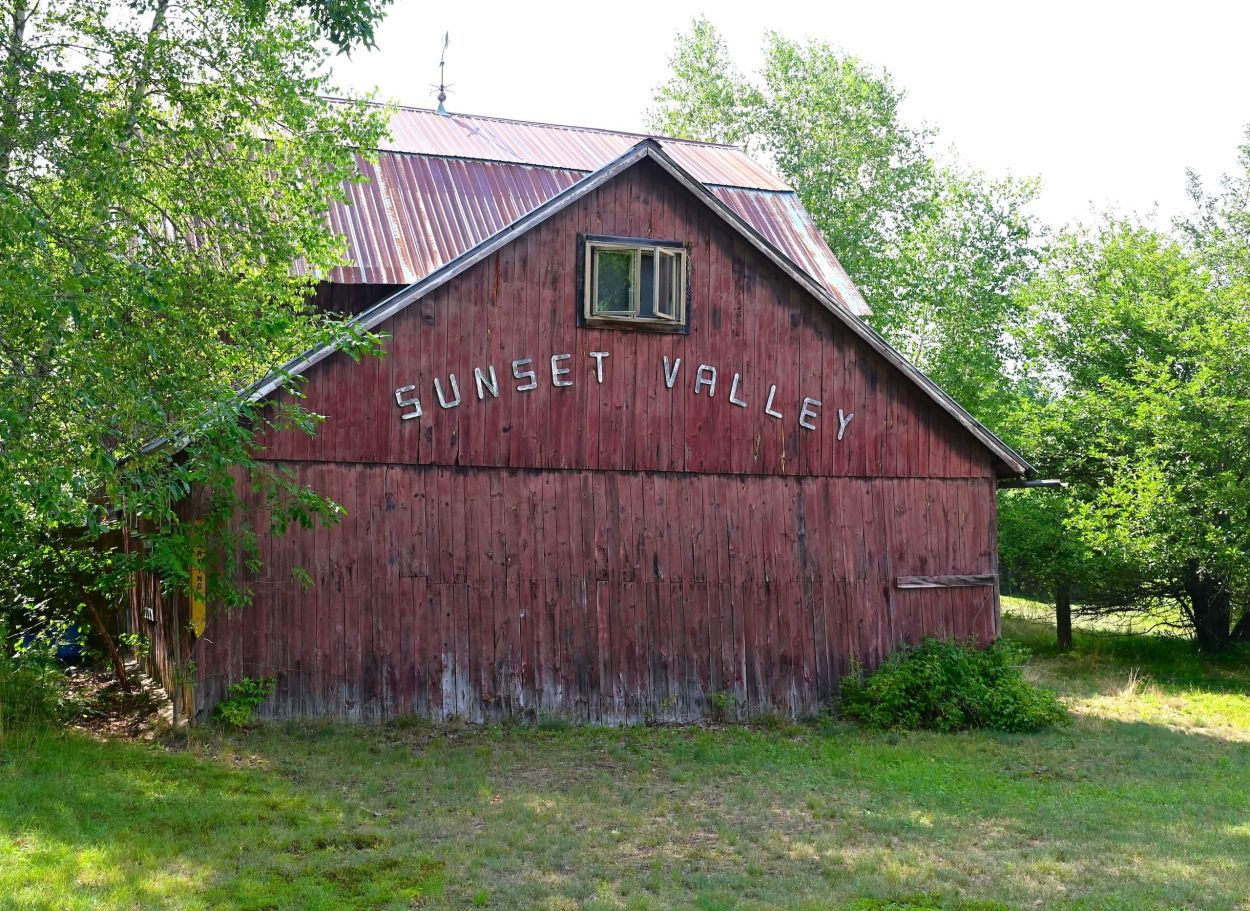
x,y
952,301
707,98
1218,230
165,169
938,251
1140,359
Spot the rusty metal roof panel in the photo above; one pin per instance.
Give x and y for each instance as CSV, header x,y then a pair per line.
x,y
446,183
414,214
424,132
786,224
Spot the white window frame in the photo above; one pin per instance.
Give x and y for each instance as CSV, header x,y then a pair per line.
x,y
672,317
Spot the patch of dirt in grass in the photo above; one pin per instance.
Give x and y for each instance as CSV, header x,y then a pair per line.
x,y
106,710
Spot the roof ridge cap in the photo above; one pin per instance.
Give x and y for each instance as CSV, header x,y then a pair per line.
x,y
552,126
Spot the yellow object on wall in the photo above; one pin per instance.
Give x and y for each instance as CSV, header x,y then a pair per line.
x,y
199,589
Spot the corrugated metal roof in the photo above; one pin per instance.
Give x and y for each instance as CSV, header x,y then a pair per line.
x,y
785,223
416,213
446,183
425,132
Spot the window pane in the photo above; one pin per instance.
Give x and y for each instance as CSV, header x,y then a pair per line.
x,y
668,302
646,297
614,277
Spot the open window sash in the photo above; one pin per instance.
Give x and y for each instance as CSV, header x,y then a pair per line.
x,y
667,287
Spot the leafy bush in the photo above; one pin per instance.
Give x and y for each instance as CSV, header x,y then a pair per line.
x,y
941,685
722,706
242,700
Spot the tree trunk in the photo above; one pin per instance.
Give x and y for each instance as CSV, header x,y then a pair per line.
x,y
1063,614
14,49
143,78
1241,632
1211,607
119,665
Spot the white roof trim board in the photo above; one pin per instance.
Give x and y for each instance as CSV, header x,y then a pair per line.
x,y
649,149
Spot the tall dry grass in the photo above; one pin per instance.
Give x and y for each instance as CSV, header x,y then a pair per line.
x,y
33,700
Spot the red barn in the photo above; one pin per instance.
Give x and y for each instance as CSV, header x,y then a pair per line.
x,y
631,446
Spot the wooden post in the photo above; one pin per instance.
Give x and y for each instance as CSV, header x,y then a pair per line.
x,y
1063,614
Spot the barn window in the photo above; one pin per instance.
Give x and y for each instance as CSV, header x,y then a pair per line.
x,y
634,282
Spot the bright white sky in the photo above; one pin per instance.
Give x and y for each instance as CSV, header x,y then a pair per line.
x,y
1107,102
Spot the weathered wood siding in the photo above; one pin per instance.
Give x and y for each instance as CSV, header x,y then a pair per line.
x,y
612,550
606,595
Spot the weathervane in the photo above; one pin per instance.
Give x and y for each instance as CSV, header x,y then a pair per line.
x,y
442,87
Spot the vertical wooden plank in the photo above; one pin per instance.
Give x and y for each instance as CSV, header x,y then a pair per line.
x,y
307,551
403,685
322,571
778,581
546,657
689,531
475,507
689,600
355,607
760,625
585,527
441,628
820,525
561,570
399,436
633,574
262,606
282,631
535,625
383,587
501,607
379,593
512,544
855,441
715,503
516,608
297,616
341,558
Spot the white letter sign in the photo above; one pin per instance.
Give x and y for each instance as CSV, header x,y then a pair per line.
x,y
522,374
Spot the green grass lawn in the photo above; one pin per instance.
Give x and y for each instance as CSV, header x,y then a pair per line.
x,y
1143,802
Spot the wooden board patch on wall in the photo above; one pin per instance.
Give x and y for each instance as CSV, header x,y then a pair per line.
x,y
946,581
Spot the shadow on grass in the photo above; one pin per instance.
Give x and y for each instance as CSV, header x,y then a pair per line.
x,y
1104,815
92,824
1170,660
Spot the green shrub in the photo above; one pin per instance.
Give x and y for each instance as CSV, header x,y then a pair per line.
x,y
242,700
941,685
722,706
